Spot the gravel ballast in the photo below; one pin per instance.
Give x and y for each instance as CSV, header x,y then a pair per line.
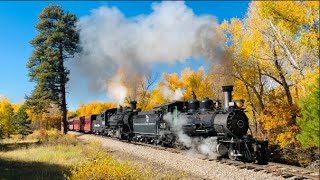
x,y
168,162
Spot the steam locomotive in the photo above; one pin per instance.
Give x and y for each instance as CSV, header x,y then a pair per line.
x,y
227,127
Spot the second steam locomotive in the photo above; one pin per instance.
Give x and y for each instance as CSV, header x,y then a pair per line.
x,y
227,127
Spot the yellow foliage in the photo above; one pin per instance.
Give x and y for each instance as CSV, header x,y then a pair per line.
x,y
94,107
278,122
46,120
172,80
6,113
17,106
72,113
275,53
202,83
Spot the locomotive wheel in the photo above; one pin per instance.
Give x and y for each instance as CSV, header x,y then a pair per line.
x,y
231,155
222,149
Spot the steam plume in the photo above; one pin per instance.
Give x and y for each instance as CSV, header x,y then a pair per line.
x,y
172,32
170,94
197,146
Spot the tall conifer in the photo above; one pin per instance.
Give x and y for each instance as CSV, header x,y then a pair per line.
x,y
56,41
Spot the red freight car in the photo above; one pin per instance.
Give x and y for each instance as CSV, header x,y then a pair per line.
x,y
78,123
70,124
88,122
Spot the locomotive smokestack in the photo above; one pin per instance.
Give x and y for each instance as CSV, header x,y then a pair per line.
x,y
227,93
119,109
133,105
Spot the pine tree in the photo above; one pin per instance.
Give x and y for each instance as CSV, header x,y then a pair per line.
x,y
309,122
56,41
21,121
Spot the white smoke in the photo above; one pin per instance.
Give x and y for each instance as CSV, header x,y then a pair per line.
x,y
116,89
170,94
177,94
196,145
171,33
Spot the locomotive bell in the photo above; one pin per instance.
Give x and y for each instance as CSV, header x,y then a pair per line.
x,y
227,93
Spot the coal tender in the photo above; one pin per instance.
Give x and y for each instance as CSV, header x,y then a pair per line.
x,y
152,127
101,124
230,125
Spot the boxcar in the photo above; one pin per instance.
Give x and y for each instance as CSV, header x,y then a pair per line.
x,y
76,124
82,123
88,122
70,124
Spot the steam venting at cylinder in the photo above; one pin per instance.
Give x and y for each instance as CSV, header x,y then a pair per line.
x,y
133,105
227,93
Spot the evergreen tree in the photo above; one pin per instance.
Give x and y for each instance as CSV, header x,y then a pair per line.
x,y
309,122
56,41
21,121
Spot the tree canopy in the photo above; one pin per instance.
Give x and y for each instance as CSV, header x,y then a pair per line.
x,y
56,41
309,121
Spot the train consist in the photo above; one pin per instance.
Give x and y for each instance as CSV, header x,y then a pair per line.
x,y
228,126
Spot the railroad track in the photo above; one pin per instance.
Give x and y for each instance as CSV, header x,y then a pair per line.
x,y
285,171
276,169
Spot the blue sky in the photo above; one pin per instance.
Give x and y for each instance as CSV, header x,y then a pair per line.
x,y
18,20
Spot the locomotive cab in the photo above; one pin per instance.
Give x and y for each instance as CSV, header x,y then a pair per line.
x,y
120,124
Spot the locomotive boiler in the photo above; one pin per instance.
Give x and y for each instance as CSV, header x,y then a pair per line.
x,y
229,125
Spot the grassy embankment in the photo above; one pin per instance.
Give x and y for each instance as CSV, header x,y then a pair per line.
x,y
60,157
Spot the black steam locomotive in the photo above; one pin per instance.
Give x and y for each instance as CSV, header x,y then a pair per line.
x,y
227,127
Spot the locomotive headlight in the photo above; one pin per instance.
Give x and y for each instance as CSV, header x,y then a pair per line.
x,y
240,103
231,104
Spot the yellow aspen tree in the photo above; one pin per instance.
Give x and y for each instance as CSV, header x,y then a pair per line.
x,y
6,117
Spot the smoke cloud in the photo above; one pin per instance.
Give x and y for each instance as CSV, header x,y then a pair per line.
x,y
116,89
205,147
170,33
175,95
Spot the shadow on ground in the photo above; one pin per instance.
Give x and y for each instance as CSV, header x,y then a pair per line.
x,y
31,170
13,146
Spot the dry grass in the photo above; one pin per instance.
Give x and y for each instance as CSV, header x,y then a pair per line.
x,y
101,165
63,156
52,158
16,139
